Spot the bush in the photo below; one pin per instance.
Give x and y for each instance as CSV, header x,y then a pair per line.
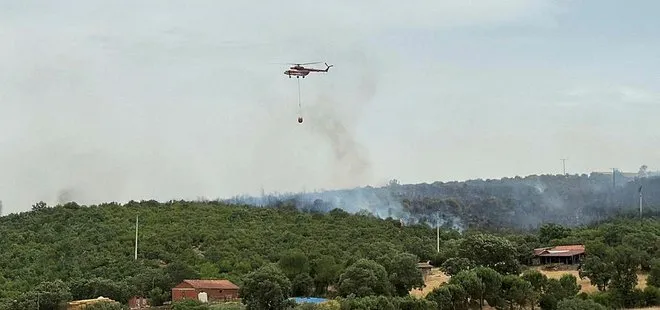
x,y
328,305
368,303
190,304
410,303
648,297
306,307
603,298
377,303
228,306
636,299
579,304
105,305
651,296
654,273
548,302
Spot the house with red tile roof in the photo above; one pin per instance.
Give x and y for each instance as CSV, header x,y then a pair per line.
x,y
562,254
216,290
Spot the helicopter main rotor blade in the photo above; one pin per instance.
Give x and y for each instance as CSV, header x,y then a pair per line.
x,y
307,63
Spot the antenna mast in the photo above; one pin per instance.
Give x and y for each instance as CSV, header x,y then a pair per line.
x,y
563,162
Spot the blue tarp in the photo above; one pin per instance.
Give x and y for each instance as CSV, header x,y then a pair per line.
x,y
308,300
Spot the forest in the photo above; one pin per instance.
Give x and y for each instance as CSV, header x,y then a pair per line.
x,y
521,203
359,259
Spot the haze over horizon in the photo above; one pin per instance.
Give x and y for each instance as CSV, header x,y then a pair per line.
x,y
113,101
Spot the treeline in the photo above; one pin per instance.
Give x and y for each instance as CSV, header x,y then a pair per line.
x,y
520,202
69,252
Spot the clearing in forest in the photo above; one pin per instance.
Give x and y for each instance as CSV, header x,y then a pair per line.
x,y
437,277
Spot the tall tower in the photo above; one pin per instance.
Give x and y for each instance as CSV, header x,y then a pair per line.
x,y
1,208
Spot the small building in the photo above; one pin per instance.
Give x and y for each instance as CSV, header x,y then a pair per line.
x,y
562,254
137,302
216,290
425,268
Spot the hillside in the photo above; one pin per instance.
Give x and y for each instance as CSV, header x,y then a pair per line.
x,y
75,252
520,203
192,239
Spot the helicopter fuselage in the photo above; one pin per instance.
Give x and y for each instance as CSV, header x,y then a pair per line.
x,y
296,73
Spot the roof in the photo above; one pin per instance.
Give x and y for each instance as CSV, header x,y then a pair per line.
x,y
424,265
87,301
540,250
574,247
561,250
212,284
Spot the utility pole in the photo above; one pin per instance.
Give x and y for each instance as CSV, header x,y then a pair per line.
x,y
437,237
563,162
136,235
437,233
640,204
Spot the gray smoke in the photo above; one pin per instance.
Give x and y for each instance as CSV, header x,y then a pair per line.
x,y
381,202
434,220
334,117
352,166
66,196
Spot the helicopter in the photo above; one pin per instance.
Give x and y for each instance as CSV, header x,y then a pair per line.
x,y
299,70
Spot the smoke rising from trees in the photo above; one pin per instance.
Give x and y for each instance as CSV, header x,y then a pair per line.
x,y
521,203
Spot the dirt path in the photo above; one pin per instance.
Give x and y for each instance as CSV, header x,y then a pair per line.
x,y
433,280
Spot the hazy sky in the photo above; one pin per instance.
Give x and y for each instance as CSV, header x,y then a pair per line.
x,y
119,100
